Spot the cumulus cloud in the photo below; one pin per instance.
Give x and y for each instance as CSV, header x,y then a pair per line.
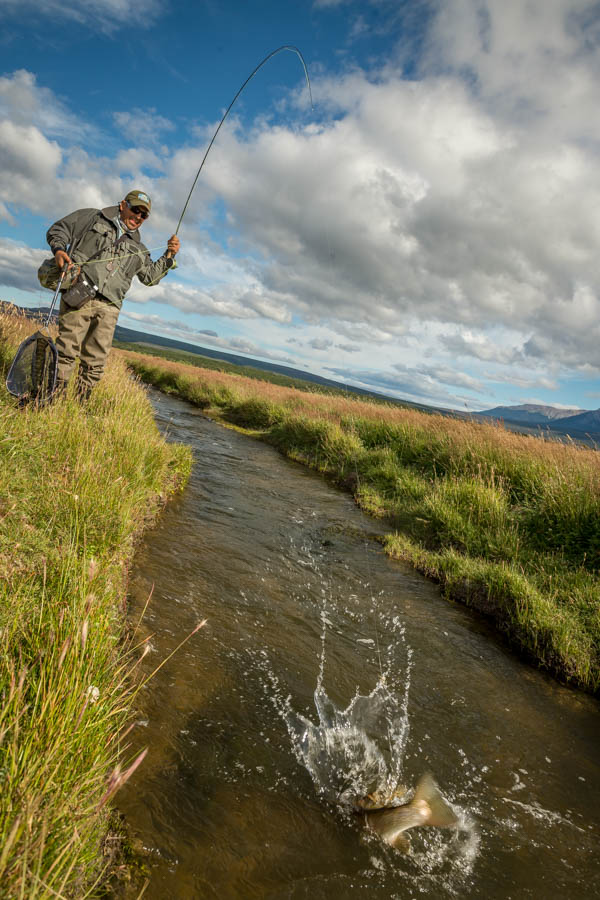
x,y
425,211
27,104
19,265
535,64
437,212
28,159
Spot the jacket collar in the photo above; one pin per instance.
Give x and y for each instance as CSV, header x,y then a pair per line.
x,y
112,214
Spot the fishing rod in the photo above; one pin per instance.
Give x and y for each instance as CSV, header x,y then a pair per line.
x,y
289,47
269,56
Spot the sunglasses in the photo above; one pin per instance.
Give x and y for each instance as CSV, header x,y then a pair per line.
x,y
140,211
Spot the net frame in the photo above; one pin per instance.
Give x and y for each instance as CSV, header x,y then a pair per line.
x,y
33,372
36,380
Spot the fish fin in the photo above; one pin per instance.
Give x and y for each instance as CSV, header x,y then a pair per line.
x,y
441,815
400,842
369,801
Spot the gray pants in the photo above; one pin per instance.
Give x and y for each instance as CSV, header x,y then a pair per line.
x,y
85,333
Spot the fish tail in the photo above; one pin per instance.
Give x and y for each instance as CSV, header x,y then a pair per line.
x,y
441,815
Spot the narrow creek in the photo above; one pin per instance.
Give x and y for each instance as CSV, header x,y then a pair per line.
x,y
327,669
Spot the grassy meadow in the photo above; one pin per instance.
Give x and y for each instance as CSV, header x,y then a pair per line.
x,y
78,484
507,523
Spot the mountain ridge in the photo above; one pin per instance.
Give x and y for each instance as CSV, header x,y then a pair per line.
x,y
551,417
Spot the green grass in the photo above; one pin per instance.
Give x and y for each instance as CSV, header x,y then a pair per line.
x,y
77,486
507,523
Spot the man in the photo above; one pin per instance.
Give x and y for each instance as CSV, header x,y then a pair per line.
x,y
106,244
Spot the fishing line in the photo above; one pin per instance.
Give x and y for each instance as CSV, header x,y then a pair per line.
x,y
376,611
289,47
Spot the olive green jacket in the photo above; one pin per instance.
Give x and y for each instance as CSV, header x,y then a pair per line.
x,y
94,233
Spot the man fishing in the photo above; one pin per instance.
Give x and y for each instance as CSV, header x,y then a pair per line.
x,y
102,249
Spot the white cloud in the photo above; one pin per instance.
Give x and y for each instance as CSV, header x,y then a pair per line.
x,y
26,104
19,265
143,126
106,15
412,385
28,158
480,346
441,375
534,63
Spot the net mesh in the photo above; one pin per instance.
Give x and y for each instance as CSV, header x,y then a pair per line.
x,y
32,375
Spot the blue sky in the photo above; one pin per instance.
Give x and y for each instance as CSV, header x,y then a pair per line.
x,y
429,229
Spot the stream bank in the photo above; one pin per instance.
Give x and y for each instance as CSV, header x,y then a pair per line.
x,y
78,485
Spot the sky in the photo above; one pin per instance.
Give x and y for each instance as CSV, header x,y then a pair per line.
x,y
428,228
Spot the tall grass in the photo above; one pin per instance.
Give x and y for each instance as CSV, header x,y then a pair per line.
x,y
77,486
507,523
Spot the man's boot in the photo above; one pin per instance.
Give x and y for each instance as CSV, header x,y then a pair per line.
x,y
83,391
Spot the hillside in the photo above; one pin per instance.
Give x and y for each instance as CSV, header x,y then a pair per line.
x,y
587,421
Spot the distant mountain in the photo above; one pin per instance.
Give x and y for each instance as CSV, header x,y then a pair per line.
x,y
587,422
532,414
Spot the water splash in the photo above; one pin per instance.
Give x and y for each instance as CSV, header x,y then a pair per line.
x,y
353,751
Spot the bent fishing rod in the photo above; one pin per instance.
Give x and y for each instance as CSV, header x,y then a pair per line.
x,y
289,47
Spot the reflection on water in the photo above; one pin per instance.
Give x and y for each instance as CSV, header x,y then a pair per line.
x,y
326,668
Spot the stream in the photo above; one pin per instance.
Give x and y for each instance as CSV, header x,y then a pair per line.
x,y
325,671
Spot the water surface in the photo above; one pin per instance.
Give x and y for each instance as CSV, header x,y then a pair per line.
x,y
325,665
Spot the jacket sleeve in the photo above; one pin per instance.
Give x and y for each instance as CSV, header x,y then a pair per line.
x,y
152,272
63,232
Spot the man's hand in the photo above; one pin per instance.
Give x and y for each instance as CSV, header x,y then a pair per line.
x,y
62,258
173,245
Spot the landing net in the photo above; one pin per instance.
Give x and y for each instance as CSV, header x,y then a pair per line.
x,y
32,375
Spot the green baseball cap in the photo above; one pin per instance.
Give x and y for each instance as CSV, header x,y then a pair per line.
x,y
138,198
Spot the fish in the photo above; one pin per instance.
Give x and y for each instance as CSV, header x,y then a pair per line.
x,y
389,821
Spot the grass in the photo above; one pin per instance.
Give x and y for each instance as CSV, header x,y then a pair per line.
x,y
78,484
507,523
